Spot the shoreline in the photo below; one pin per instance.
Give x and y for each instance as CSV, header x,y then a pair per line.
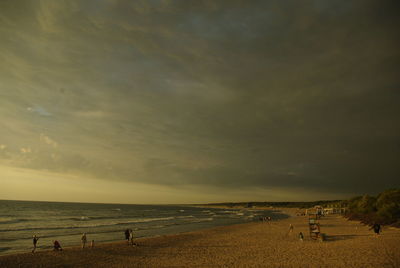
x,y
110,243
348,244
48,247
122,242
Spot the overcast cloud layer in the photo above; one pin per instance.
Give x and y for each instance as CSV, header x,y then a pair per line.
x,y
292,95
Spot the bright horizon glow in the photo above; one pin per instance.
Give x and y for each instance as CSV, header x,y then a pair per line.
x,y
50,187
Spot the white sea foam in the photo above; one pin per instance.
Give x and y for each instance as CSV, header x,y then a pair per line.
x,y
185,217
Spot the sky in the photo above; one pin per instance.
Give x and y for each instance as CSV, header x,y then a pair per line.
x,y
198,101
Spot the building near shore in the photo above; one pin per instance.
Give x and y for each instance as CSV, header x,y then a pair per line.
x,y
335,209
316,210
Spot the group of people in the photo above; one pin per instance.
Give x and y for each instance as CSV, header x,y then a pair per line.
x,y
57,245
376,227
267,219
129,237
291,229
84,241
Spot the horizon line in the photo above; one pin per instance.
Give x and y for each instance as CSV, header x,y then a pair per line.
x,y
173,204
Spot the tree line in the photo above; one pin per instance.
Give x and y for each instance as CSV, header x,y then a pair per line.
x,y
383,208
305,204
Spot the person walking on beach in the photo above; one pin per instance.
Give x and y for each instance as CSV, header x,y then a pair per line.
x,y
131,237
92,244
84,240
127,234
34,240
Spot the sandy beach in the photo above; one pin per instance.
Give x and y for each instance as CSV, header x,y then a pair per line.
x,y
256,244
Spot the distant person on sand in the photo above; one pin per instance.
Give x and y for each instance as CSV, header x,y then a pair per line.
x,y
57,245
34,240
290,229
131,237
127,234
92,244
377,228
84,240
301,236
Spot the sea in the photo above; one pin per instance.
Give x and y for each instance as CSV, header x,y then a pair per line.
x,y
66,222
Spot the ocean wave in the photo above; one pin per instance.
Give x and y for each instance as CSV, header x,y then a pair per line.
x,y
185,217
209,212
140,220
11,220
82,218
201,220
78,233
4,248
90,218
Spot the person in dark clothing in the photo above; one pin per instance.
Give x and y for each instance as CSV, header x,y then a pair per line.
x,y
34,240
57,246
377,228
127,234
301,236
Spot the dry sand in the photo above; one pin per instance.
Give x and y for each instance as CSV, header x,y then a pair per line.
x,y
257,244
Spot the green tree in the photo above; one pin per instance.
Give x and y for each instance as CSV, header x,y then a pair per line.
x,y
388,205
366,204
353,204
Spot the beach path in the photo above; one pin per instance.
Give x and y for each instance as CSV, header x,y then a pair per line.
x,y
256,244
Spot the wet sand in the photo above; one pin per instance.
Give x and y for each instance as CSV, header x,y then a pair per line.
x,y
256,244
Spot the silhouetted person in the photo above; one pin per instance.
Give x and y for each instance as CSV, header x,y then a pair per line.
x,y
377,228
57,245
84,240
127,234
301,236
34,241
131,237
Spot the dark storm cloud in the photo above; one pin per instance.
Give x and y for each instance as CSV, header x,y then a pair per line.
x,y
226,94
